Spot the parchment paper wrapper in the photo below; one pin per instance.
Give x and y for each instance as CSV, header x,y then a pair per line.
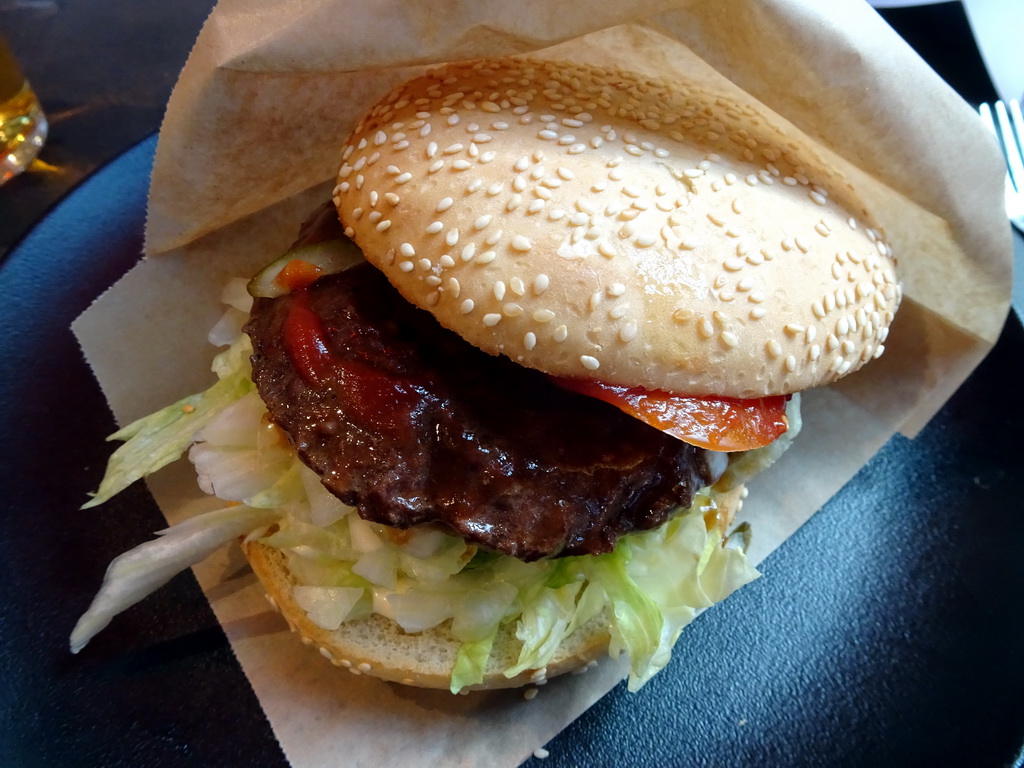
x,y
250,145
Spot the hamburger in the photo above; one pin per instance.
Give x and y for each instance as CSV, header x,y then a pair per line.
x,y
491,416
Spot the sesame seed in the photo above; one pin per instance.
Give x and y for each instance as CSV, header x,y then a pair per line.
x,y
406,266
494,237
469,252
800,243
729,338
590,362
392,198
444,204
499,290
831,343
486,257
645,240
380,138
774,348
434,228
407,250
452,149
818,198
403,178
706,329
530,341
733,265
383,226
491,319
790,363
837,363
540,284
455,287
628,332
794,329
511,309
482,222
431,149
547,135
561,333
815,352
756,297
757,313
424,264
436,166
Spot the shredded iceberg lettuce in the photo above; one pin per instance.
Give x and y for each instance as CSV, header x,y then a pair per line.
x,y
141,571
154,441
650,587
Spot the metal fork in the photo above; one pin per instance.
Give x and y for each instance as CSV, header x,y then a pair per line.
x,y
1007,124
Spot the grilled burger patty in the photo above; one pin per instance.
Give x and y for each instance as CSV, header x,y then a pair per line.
x,y
410,424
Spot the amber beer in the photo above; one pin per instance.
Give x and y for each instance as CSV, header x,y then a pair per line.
x,y
22,122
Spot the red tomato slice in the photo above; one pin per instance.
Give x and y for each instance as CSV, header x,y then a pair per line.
x,y
717,423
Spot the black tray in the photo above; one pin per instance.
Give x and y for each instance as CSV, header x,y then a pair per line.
x,y
887,631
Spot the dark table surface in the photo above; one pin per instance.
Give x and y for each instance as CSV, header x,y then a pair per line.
x,y
906,652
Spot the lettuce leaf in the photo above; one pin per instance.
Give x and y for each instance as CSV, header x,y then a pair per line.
x,y
141,571
154,441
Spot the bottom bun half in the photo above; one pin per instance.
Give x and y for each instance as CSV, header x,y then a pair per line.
x,y
378,647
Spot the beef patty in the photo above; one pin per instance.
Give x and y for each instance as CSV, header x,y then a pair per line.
x,y
408,423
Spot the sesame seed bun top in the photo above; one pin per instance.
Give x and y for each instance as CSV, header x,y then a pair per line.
x,y
595,224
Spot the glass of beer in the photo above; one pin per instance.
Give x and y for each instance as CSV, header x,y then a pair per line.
x,y
22,122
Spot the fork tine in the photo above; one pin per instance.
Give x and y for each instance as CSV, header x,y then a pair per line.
x,y
1010,125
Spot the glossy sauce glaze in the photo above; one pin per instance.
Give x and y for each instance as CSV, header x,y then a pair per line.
x,y
410,424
